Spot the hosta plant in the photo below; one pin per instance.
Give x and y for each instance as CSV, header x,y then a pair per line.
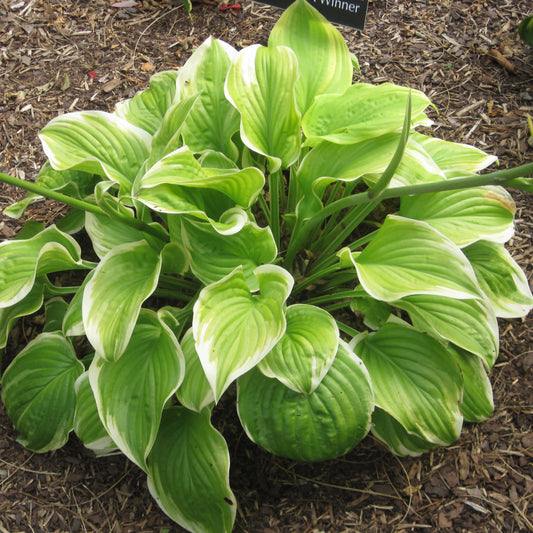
x,y
256,225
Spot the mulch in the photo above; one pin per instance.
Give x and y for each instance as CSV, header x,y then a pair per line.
x,y
58,56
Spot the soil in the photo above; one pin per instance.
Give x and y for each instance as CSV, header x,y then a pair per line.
x,y
66,55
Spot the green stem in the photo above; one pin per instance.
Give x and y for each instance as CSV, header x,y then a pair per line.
x,y
306,282
273,185
343,295
171,283
169,294
155,231
347,329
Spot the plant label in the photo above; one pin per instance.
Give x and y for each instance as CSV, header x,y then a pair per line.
x,y
351,13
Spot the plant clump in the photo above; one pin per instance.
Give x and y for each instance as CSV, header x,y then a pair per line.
x,y
257,219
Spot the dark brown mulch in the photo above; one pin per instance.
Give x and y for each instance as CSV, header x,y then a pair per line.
x,y
466,55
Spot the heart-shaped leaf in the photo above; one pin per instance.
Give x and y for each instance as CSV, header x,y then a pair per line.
x,y
303,356
261,85
130,393
415,380
188,472
97,142
38,392
410,257
324,61
234,328
322,425
112,299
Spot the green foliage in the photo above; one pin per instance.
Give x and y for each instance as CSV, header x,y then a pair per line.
x,y
240,235
525,30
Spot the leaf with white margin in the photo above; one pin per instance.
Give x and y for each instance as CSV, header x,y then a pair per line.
x,y
188,472
112,299
38,392
169,135
322,425
147,108
455,159
214,255
213,120
28,305
389,431
501,279
363,111
233,328
97,142
324,61
106,233
195,392
416,380
410,257
261,85
87,424
73,320
470,324
177,184
328,162
305,353
22,261
465,215
478,403
131,393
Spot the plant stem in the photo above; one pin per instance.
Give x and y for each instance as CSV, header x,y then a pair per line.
x,y
318,300
309,280
155,231
273,186
347,329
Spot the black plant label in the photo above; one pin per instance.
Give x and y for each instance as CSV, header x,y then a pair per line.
x,y
351,13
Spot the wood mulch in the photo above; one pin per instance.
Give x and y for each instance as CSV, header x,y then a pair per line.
x,y
65,55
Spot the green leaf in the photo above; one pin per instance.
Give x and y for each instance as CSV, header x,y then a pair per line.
x,y
410,257
466,215
178,184
233,328
73,320
130,393
188,472
328,162
87,424
195,392
31,303
97,142
415,380
21,261
303,356
147,108
214,255
309,427
261,85
324,61
375,313
213,120
112,299
454,159
477,404
362,112
169,135
470,324
525,30
388,430
38,392
54,310
501,279
106,233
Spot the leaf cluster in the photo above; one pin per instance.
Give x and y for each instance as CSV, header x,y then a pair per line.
x,y
257,218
